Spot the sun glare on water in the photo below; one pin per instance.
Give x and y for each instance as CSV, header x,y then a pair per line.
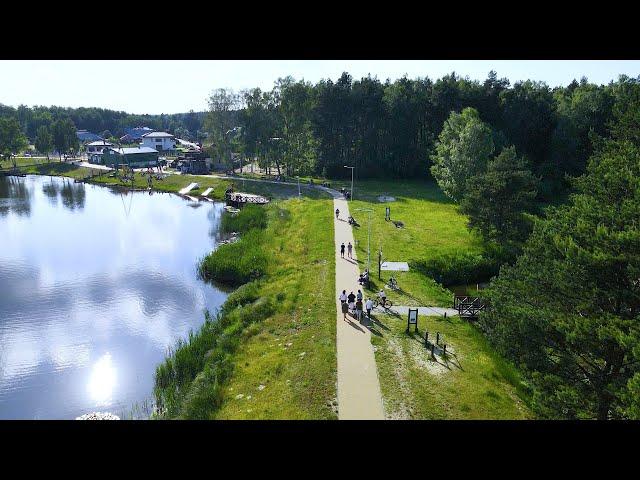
x,y
102,380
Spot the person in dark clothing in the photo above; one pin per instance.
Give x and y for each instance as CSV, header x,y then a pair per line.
x,y
351,298
342,250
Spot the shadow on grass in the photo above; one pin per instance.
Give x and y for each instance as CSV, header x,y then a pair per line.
x,y
438,352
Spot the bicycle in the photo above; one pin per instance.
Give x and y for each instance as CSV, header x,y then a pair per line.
x,y
378,302
393,284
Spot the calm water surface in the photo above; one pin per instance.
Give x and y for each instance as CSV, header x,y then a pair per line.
x,y
94,286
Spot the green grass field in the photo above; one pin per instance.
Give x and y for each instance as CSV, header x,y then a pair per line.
x,y
471,382
433,227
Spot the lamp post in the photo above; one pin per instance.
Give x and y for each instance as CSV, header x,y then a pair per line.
x,y
299,194
370,211
352,169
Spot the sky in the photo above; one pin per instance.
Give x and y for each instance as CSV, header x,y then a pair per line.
x,y
177,86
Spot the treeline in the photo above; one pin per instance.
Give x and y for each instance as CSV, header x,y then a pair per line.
x,y
390,128
107,123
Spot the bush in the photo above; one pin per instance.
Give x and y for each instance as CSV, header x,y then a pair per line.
x,y
458,269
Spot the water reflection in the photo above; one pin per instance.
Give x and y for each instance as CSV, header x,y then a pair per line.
x,y
14,196
102,381
94,286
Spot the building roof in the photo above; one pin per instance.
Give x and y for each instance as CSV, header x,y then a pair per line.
x,y
134,150
137,132
157,135
84,135
99,143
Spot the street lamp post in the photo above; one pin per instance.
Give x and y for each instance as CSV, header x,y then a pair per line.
x,y
368,242
299,194
352,169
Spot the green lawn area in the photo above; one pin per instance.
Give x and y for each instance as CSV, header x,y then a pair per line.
x,y
471,382
432,227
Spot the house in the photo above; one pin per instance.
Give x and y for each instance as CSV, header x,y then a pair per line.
x,y
86,136
96,148
133,135
136,157
161,141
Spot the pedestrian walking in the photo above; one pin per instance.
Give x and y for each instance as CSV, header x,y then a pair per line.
x,y
359,295
345,310
349,250
369,306
343,296
359,310
351,298
342,250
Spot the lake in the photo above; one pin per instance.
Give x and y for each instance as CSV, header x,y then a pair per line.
x,y
95,285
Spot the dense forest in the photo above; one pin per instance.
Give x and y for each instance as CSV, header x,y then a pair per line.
x,y
391,128
188,126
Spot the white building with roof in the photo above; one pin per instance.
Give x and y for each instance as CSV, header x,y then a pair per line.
x,y
161,141
96,148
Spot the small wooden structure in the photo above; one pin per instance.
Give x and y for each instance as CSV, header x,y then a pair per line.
x,y
237,199
468,307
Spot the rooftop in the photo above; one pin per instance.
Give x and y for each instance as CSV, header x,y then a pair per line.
x,y
157,135
134,150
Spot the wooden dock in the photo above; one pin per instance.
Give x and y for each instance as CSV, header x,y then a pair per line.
x,y
238,199
188,188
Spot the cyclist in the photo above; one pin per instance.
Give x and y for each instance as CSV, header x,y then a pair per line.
x,y
393,283
383,297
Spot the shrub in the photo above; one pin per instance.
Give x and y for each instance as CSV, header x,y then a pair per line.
x,y
463,268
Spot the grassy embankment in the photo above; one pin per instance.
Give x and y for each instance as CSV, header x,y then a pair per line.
x,y
270,354
472,381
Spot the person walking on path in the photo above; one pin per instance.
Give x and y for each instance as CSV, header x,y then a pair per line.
x,y
349,249
343,297
345,309
359,310
337,213
369,306
351,298
359,295
342,250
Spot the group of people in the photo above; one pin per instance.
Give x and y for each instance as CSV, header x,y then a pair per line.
x,y
364,277
349,250
353,305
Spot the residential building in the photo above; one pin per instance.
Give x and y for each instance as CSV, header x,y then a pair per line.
x,y
96,148
133,135
86,136
135,157
161,141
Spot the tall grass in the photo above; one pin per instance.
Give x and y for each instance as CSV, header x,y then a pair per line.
x,y
241,262
250,217
188,384
235,264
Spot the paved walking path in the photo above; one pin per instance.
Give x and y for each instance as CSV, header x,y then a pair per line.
x,y
359,395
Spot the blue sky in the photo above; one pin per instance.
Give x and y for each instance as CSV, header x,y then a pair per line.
x,y
150,86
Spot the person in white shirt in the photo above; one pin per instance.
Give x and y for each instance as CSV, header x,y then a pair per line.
x,y
343,296
369,306
383,297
